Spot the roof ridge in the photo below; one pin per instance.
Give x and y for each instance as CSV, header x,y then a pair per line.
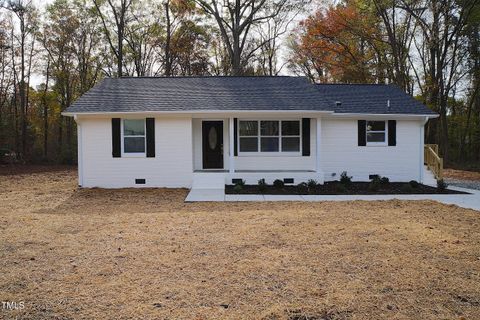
x,y
199,77
354,84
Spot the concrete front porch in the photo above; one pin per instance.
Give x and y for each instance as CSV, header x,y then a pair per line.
x,y
209,185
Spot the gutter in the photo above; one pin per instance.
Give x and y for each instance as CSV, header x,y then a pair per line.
x,y
330,113
74,114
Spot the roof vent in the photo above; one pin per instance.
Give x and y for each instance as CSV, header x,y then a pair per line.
x,y
388,103
338,103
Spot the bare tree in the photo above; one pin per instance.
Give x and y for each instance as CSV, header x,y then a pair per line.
x,y
235,19
442,24
25,14
400,31
119,11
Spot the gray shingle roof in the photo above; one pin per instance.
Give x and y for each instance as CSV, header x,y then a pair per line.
x,y
371,99
200,93
151,94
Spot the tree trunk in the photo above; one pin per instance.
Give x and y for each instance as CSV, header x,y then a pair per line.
x,y
168,54
45,113
22,87
120,51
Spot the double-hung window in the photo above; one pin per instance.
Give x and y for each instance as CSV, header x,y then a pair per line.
x,y
133,137
269,136
376,133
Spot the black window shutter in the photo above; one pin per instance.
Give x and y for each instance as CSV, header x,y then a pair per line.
x,y
116,143
235,137
392,132
305,137
362,133
150,124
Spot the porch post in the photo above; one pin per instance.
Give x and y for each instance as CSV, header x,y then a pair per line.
x,y
318,143
231,146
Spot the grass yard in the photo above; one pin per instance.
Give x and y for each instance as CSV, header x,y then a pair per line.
x,y
145,254
462,175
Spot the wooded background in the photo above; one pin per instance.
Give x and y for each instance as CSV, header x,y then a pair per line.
x,y
430,49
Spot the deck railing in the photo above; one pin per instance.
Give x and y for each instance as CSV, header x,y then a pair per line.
x,y
433,160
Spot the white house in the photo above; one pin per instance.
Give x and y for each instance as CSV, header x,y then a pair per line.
x,y
197,131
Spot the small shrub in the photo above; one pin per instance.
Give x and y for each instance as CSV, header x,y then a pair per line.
x,y
384,180
238,188
374,185
262,185
240,183
340,188
414,184
278,184
302,188
376,179
345,179
312,185
407,188
441,185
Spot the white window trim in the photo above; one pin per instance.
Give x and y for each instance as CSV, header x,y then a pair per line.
x,y
134,154
259,136
377,144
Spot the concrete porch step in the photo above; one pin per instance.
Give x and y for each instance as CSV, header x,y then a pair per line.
x,y
205,195
428,177
208,180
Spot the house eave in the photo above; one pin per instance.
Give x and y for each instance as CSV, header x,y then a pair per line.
x,y
228,112
183,112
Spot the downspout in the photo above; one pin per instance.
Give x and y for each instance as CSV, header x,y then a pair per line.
x,y
79,151
422,147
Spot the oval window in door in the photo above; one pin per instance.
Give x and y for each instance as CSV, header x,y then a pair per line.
x,y
212,138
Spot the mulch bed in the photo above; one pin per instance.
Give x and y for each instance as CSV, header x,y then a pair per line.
x,y
336,188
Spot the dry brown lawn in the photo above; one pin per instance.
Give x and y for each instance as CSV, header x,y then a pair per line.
x,y
462,174
145,254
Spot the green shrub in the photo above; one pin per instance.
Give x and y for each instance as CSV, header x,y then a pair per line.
x,y
278,184
312,184
407,188
414,184
384,180
238,188
240,183
345,179
374,185
441,185
340,188
302,188
262,185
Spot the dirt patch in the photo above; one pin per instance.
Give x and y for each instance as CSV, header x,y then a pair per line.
x,y
14,169
145,254
461,175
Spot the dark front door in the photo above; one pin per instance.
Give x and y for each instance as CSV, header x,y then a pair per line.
x,y
212,140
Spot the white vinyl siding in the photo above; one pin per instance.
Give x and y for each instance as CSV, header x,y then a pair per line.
x,y
171,168
179,152
340,152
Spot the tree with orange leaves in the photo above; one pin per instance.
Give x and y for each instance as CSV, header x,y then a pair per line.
x,y
339,44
